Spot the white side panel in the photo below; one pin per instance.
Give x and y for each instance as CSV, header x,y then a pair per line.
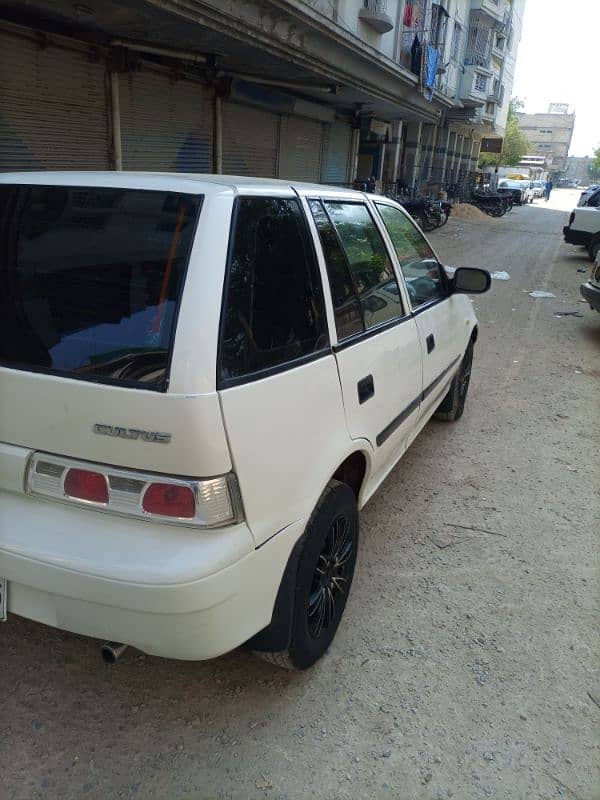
x,y
393,359
450,322
287,435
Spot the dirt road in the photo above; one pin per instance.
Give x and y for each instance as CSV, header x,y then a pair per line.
x,y
464,666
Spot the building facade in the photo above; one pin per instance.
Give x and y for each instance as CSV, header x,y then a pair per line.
x,y
578,169
550,136
334,91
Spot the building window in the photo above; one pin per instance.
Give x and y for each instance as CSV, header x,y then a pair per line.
x,y
480,82
478,42
489,108
439,22
457,35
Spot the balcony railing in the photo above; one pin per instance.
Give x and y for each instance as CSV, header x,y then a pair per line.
x,y
479,42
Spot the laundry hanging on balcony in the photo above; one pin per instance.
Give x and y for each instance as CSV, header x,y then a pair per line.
x,y
431,59
412,15
416,56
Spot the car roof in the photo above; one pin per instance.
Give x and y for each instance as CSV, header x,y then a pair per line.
x,y
189,182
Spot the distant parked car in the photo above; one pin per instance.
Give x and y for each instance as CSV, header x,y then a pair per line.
x,y
590,290
528,193
587,194
521,193
538,188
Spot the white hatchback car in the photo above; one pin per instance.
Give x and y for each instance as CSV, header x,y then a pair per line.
x,y
202,379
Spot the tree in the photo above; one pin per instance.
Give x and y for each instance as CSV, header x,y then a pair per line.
x,y
515,144
594,167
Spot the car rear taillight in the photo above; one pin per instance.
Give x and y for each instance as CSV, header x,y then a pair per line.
x,y
83,484
210,503
572,218
168,500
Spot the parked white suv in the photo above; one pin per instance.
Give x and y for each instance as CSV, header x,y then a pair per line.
x,y
202,380
584,227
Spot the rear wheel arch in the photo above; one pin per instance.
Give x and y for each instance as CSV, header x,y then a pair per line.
x,y
353,471
276,636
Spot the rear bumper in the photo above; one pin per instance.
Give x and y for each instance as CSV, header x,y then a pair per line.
x,y
591,294
571,236
141,584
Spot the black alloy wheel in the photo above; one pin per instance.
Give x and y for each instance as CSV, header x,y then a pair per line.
x,y
321,582
332,577
452,406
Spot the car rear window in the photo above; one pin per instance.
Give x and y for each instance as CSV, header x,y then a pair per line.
x,y
90,280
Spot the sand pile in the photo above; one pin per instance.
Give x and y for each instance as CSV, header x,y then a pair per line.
x,y
466,211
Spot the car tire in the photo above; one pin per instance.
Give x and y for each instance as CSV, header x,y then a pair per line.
x,y
452,406
594,247
322,580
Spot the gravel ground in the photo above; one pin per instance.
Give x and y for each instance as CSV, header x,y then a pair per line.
x,y
466,663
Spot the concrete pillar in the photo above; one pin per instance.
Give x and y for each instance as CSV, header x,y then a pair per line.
x,y
465,158
353,161
434,135
412,155
452,157
382,149
445,158
115,122
218,143
455,168
475,154
395,144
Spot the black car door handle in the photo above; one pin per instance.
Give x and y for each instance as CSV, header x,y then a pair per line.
x,y
430,343
366,389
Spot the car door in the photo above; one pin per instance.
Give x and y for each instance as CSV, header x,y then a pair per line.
x,y
377,349
439,315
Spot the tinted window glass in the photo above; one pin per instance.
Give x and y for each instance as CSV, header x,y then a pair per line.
x,y
369,262
91,279
422,272
273,306
348,314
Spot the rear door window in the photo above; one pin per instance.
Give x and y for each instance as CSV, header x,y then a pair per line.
x,y
91,279
423,274
273,312
368,261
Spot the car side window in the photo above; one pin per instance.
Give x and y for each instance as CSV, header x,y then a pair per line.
x,y
273,312
346,307
594,201
422,272
368,261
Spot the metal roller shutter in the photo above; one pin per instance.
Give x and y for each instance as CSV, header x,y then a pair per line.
x,y
166,124
301,146
250,139
53,106
336,153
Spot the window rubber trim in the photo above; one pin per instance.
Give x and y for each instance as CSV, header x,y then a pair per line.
x,y
357,338
385,434
286,366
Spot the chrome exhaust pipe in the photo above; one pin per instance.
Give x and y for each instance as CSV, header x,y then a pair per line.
x,y
112,652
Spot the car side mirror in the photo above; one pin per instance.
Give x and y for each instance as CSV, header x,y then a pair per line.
x,y
471,280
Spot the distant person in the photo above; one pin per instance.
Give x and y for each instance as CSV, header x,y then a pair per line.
x,y
494,178
548,188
